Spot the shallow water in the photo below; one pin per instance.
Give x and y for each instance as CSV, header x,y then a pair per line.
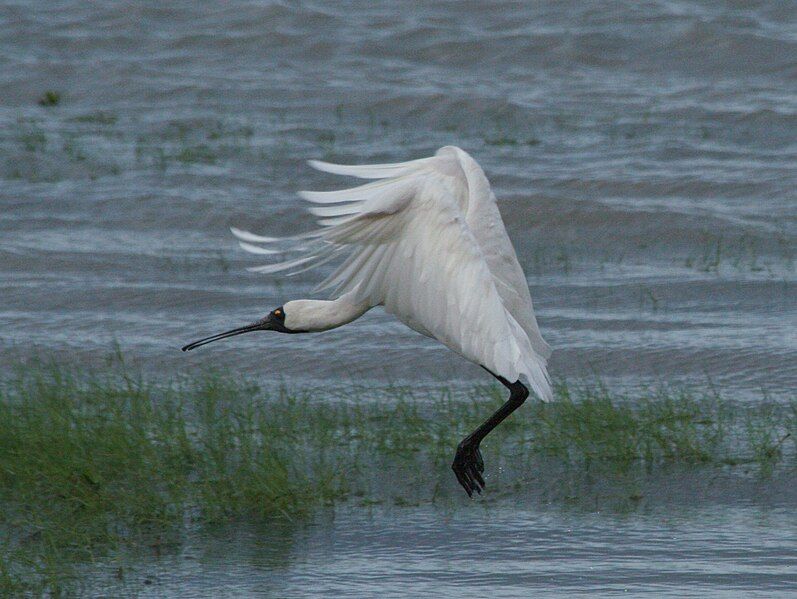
x,y
644,156
681,540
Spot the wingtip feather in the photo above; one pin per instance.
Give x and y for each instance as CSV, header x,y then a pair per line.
x,y
255,249
251,237
317,164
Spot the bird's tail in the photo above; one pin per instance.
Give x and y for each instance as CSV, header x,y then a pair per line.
x,y
528,363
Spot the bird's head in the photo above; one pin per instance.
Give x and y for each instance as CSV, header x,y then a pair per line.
x,y
276,320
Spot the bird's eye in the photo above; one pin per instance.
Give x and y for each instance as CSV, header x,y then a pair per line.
x,y
279,313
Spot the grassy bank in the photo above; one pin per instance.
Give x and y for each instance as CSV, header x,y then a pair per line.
x,y
89,462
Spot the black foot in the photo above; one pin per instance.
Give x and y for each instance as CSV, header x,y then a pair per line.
x,y
468,466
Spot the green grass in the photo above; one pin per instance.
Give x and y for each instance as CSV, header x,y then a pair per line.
x,y
201,154
742,253
506,140
98,117
32,139
91,462
50,98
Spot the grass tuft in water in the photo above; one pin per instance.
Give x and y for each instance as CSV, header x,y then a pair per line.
x,y
49,98
98,117
200,153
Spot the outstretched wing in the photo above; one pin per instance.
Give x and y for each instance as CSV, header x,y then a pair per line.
x,y
404,242
484,220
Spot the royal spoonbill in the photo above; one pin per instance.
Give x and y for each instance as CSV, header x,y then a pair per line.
x,y
427,242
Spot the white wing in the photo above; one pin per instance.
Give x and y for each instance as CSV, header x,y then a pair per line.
x,y
405,242
484,220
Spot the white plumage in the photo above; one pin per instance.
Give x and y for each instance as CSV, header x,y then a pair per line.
x,y
426,241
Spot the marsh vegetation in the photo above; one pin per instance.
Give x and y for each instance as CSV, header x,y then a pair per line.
x,y
92,462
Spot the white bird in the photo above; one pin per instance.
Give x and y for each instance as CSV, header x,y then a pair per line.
x,y
427,242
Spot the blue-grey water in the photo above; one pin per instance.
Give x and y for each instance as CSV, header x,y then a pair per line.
x,y
645,158
510,553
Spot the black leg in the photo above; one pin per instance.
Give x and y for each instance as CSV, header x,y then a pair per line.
x,y
468,463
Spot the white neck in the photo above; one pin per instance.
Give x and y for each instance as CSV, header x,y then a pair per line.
x,y
319,315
